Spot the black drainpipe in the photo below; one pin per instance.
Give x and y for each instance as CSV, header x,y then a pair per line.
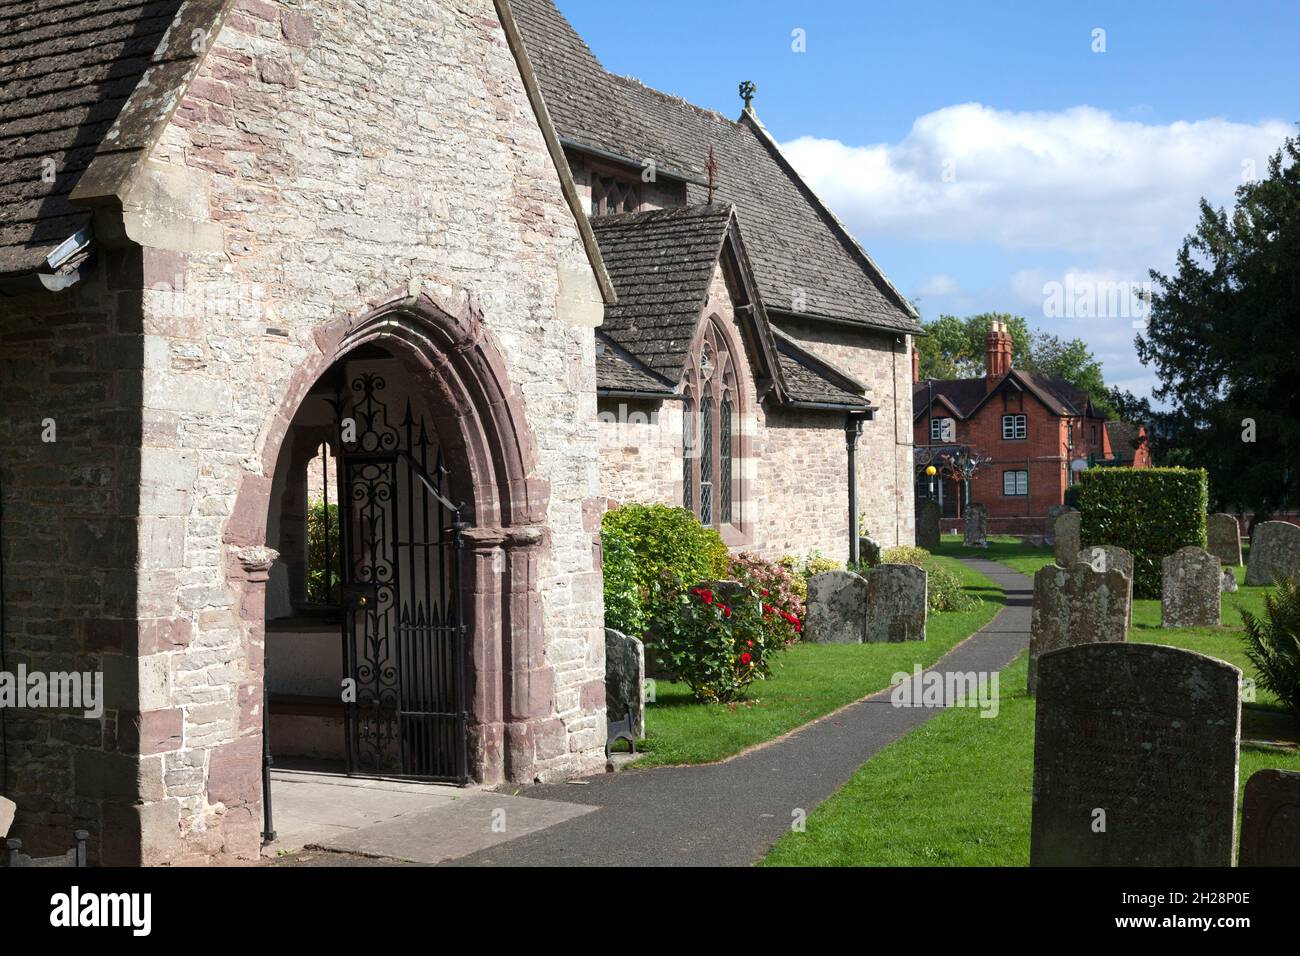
x,y
852,432
4,664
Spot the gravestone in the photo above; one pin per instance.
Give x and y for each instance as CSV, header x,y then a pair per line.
x,y
1049,526
1229,581
1103,557
1135,758
1191,581
1223,538
1274,553
836,609
625,680
976,526
1066,545
1075,605
868,551
927,525
1270,822
896,604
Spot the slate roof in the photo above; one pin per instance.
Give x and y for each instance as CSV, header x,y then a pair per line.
x,y
661,263
617,371
66,70
795,243
808,380
966,395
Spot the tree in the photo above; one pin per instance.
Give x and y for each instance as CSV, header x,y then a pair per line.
x,y
1222,337
1074,362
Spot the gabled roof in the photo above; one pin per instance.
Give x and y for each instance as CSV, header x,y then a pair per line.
x,y
812,381
1124,440
805,262
966,396
661,263
68,71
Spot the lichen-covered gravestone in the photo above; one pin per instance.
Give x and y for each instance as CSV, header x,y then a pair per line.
x,y
1103,557
1075,605
837,608
1191,582
976,526
1135,758
896,604
1229,581
1274,553
927,525
1049,526
1270,822
1066,546
1223,538
625,679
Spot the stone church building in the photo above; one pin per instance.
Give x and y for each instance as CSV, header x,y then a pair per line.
x,y
435,251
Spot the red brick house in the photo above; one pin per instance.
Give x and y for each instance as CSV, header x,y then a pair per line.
x,y
1022,429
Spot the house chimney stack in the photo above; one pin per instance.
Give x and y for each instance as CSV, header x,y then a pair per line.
x,y
916,363
997,354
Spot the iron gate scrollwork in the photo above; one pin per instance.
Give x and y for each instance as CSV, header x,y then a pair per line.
x,y
401,542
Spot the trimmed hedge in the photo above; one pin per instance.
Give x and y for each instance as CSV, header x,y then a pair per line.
x,y
1152,512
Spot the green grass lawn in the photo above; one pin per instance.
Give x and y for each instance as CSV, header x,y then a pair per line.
x,y
957,791
810,681
1002,548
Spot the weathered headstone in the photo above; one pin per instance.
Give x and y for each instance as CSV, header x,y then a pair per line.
x,y
1223,538
1049,526
1103,557
837,608
625,680
1274,553
868,551
1066,548
1229,581
7,808
1075,605
1191,581
1270,822
896,604
1135,758
976,526
927,525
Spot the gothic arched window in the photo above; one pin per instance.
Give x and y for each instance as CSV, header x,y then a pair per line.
x,y
709,435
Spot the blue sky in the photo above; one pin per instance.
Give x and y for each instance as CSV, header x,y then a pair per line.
x,y
985,154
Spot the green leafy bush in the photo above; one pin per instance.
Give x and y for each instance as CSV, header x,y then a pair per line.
x,y
1152,512
716,649
802,568
776,586
319,590
651,553
1273,643
944,590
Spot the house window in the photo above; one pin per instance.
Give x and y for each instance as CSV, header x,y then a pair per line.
x,y
1014,427
611,195
709,434
936,429
1094,436
1015,484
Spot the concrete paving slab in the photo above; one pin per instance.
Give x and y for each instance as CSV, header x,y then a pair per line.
x,y
474,822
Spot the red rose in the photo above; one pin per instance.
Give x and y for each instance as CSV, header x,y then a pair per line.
x,y
706,595
744,658
750,643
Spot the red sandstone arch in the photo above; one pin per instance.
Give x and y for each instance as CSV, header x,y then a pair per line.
x,y
480,418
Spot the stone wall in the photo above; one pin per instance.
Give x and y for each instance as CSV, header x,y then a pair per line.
x,y
342,154
70,372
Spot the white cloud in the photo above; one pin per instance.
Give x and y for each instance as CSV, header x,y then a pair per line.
x,y
1079,180
938,284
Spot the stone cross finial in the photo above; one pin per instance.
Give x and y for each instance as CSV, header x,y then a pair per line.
x,y
747,91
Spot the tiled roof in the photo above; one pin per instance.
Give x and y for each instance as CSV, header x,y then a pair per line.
x,y
661,263
66,70
1123,440
966,395
803,259
809,380
617,371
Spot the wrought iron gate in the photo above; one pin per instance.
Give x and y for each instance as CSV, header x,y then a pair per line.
x,y
401,542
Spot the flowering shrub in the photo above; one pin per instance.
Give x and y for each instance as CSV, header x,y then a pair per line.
x,y
777,588
648,551
716,649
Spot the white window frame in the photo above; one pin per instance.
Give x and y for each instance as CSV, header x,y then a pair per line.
x,y
1019,484
1015,427
936,429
